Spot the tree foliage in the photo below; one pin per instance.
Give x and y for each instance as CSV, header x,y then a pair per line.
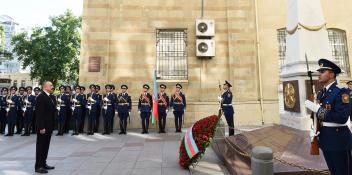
x,y
52,52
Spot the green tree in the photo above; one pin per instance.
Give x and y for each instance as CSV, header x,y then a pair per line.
x,y
51,52
2,39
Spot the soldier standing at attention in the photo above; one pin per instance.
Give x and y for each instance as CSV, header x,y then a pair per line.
x,y
34,123
28,105
145,106
68,121
12,108
226,105
63,100
84,110
93,102
333,110
77,102
4,92
163,106
98,114
19,119
124,106
108,109
178,105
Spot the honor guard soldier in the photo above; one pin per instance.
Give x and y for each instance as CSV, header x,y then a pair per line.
x,y
28,104
108,109
333,110
98,114
69,111
93,102
4,92
34,123
84,110
20,112
178,105
145,106
226,106
123,108
63,101
77,101
114,99
163,106
349,84
12,109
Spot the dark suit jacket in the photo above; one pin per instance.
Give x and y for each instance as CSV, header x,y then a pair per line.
x,y
45,112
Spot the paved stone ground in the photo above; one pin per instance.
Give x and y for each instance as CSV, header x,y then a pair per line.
x,y
115,154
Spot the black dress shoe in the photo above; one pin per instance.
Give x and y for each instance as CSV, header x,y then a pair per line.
x,y
47,167
41,170
120,133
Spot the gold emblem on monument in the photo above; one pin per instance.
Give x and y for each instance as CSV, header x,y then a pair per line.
x,y
289,95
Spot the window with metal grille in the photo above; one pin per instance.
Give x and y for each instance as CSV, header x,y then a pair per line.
x,y
281,38
338,41
171,52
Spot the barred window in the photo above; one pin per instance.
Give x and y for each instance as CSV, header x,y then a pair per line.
x,y
339,49
171,52
281,38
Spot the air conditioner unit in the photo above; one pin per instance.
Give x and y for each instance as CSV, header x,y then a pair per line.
x,y
205,48
205,27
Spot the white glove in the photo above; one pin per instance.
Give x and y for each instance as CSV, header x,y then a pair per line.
x,y
116,113
24,109
172,110
129,113
312,106
89,107
59,100
106,99
9,101
26,101
312,133
105,107
73,108
139,112
219,99
7,109
74,100
167,111
58,108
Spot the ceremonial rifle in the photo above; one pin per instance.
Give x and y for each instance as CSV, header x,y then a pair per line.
x,y
314,147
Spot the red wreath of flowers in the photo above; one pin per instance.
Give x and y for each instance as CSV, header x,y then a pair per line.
x,y
203,132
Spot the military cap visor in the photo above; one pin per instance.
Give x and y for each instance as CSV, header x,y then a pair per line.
x,y
325,64
108,86
29,87
13,88
163,86
124,87
36,89
22,88
92,86
227,83
62,86
178,86
146,86
5,89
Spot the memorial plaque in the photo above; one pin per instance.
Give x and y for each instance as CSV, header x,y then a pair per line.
x,y
94,64
291,96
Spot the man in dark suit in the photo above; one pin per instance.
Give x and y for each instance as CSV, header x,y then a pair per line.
x,y
45,112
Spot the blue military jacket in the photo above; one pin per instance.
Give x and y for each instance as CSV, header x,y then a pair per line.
x,y
178,102
111,103
95,104
163,102
124,103
65,100
335,108
226,103
80,98
31,99
21,101
145,103
2,102
16,102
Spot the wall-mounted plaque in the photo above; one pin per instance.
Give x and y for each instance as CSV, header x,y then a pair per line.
x,y
94,64
291,96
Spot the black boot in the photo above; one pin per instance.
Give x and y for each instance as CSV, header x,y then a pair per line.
x,y
25,130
